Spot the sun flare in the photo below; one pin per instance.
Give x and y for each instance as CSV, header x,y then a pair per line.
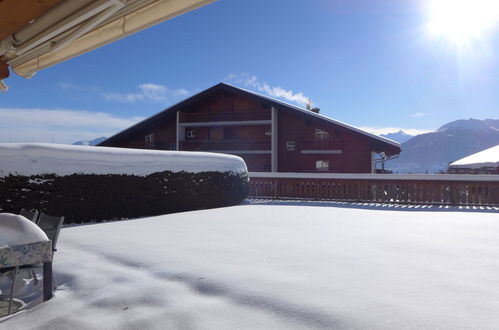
x,y
462,20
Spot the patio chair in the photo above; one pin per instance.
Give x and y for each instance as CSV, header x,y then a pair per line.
x,y
51,225
30,215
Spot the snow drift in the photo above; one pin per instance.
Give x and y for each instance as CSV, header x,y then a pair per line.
x,y
97,183
42,158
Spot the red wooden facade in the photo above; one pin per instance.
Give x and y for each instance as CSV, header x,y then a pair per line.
x,y
268,134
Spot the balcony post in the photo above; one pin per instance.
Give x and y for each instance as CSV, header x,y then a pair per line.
x,y
373,163
275,139
180,130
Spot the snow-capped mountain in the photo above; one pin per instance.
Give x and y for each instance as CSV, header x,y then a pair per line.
x,y
399,136
432,152
89,142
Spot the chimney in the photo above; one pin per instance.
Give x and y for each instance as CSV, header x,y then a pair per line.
x,y
309,104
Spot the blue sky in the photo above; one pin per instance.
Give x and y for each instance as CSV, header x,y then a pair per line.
x,y
369,63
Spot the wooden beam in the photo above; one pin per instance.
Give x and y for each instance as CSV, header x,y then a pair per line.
x,y
4,69
274,141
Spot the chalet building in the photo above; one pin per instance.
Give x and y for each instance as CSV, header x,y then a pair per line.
x,y
268,134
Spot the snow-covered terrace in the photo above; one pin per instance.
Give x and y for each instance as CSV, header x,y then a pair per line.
x,y
277,266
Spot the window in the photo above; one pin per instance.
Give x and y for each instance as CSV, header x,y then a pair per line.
x,y
173,146
149,141
322,165
321,134
290,145
216,133
190,133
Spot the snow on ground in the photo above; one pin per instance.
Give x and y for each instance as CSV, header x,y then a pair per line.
x,y
43,158
485,158
277,267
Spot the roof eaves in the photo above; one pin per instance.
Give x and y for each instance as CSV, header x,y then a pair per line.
x,y
158,114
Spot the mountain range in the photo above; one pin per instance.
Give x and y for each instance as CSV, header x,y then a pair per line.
x,y
432,152
399,136
89,142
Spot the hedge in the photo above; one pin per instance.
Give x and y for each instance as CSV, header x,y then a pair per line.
x,y
92,197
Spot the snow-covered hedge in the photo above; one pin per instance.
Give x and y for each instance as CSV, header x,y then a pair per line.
x,y
96,183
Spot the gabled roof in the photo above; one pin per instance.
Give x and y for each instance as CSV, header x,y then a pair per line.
x,y
274,102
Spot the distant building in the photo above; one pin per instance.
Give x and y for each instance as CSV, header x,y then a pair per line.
x,y
268,134
483,162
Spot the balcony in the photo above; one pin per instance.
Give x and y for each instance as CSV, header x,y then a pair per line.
x,y
202,117
331,144
226,145
148,145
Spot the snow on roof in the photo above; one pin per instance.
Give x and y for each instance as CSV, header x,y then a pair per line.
x,y
17,230
485,158
42,158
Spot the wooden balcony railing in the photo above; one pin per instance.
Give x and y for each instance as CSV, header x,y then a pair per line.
x,y
148,145
202,117
224,145
445,189
335,144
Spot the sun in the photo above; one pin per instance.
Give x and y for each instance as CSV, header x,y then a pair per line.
x,y
462,20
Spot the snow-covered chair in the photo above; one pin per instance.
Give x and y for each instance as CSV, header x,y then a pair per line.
x,y
51,225
30,215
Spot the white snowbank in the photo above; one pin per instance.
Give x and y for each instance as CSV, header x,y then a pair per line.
x,y
276,267
17,230
485,158
40,158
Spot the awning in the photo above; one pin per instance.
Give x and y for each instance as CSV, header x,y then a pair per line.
x,y
74,27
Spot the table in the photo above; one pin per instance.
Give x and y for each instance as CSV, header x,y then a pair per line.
x,y
15,257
